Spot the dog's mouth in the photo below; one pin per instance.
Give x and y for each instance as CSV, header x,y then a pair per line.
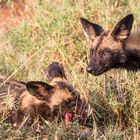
x,y
68,117
78,114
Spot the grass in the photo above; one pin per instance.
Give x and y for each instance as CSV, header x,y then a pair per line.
x,y
55,34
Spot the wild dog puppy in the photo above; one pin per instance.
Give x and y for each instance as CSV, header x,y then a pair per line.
x,y
118,48
56,99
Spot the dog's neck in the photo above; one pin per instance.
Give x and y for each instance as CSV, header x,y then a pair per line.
x,y
133,42
132,51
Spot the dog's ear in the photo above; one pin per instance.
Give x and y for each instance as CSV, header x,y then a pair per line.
x,y
123,28
55,70
91,29
40,90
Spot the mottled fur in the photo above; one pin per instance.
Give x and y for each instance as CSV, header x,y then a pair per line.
x,y
119,48
10,86
51,100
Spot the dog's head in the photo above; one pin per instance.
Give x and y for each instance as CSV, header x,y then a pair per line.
x,y
60,99
60,96
107,51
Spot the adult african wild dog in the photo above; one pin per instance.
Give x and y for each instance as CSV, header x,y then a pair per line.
x,y
36,98
118,48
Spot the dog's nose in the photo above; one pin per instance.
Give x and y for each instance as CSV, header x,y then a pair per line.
x,y
89,69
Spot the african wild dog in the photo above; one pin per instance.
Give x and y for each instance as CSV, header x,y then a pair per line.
x,y
56,99
113,49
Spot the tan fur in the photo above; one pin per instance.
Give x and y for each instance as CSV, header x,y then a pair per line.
x,y
107,42
28,101
117,48
59,97
58,79
133,41
36,98
28,104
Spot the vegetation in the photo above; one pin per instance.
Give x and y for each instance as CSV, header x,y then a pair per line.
x,y
54,33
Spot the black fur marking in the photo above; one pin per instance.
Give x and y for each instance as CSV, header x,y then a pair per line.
x,y
133,60
40,90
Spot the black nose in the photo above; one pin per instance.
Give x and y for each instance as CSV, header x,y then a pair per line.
x,y
89,69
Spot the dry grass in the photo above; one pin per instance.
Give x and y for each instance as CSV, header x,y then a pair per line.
x,y
54,33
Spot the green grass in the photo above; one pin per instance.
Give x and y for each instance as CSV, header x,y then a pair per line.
x,y
25,54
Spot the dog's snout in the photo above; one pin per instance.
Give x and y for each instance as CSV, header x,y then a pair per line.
x,y
89,69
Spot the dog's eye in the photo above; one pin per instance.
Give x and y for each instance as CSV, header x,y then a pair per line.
x,y
70,103
106,53
67,102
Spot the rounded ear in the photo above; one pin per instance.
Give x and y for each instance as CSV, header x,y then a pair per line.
x,y
91,29
123,28
40,90
55,70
